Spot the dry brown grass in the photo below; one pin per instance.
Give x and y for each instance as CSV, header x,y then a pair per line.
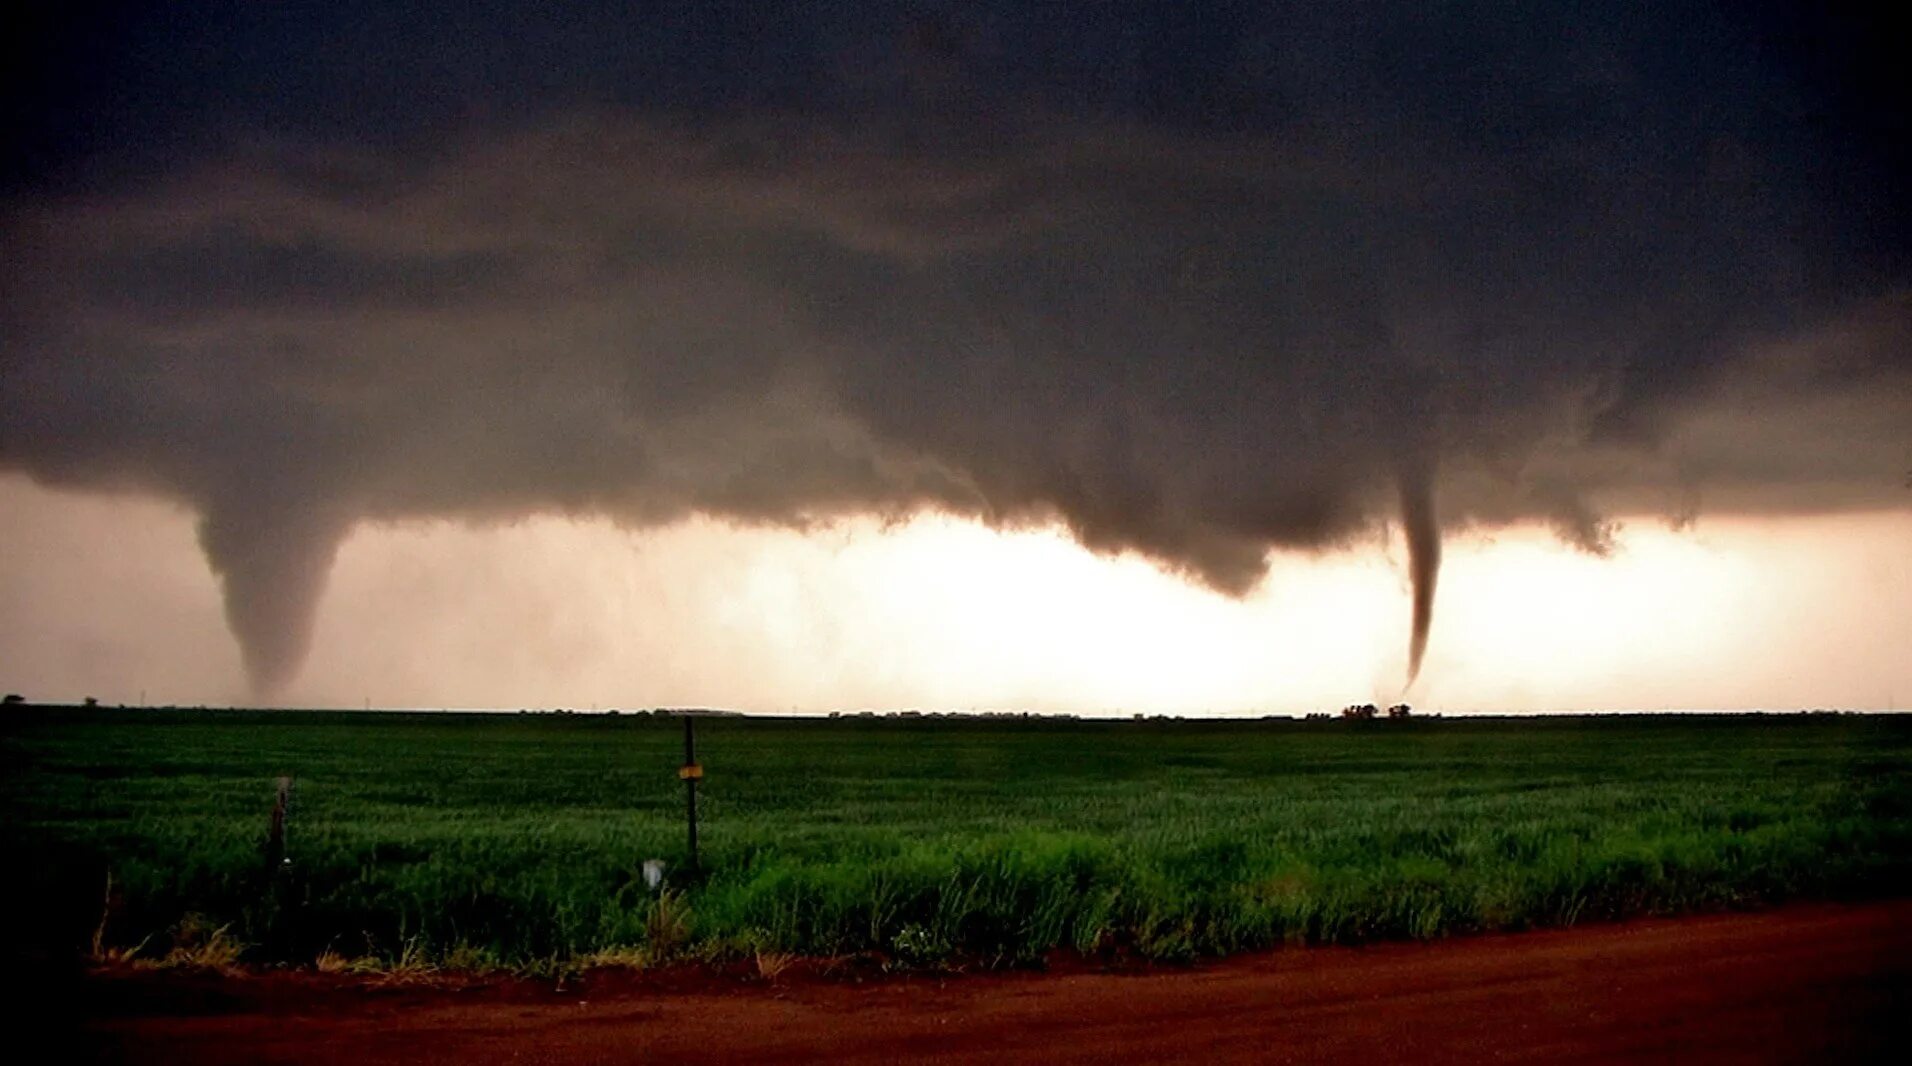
x,y
330,961
198,945
101,954
622,957
772,963
668,926
413,964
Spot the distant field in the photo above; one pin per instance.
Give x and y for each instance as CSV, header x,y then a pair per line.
x,y
513,840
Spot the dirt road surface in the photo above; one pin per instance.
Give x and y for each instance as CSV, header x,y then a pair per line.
x,y
1808,984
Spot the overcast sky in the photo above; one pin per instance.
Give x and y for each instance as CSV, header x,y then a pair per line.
x,y
1204,288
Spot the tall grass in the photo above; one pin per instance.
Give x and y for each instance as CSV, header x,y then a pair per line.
x,y
467,840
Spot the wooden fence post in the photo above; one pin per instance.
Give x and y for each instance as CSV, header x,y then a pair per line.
x,y
275,835
691,772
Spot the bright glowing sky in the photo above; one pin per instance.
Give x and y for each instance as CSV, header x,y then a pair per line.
x,y
110,597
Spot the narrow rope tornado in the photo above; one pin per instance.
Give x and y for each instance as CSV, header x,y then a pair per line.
x,y
1423,560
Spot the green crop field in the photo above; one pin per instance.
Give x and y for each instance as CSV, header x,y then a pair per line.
x,y
517,840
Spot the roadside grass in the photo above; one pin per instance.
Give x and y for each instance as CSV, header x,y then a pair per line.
x,y
463,844
196,945
772,964
331,962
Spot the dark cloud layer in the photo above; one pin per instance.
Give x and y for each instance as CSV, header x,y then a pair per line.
x,y
1196,284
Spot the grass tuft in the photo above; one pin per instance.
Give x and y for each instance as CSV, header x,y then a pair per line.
x,y
771,964
199,945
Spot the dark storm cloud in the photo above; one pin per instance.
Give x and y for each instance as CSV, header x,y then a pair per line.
x,y
1195,283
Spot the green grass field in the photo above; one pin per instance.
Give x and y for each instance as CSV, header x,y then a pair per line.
x,y
516,840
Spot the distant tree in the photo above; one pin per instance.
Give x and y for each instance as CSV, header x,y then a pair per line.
x,y
1400,710
14,699
90,701
1360,711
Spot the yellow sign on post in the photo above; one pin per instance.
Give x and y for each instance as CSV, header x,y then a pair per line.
x,y
690,772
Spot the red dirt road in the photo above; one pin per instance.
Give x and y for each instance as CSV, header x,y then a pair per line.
x,y
1819,984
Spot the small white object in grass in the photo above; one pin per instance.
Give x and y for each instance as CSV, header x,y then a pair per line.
x,y
653,873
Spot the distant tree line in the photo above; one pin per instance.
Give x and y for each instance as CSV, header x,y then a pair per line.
x,y
1361,712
